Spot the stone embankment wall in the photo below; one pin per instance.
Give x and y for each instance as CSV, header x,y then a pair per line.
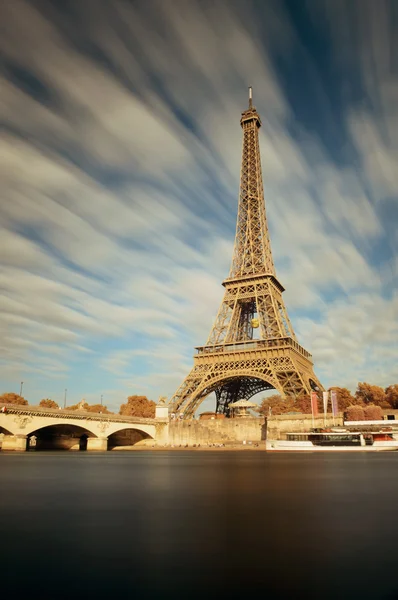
x,y
216,431
279,425
253,429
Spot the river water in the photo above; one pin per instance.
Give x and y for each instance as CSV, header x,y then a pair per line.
x,y
198,525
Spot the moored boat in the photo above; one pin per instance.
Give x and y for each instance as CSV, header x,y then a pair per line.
x,y
335,440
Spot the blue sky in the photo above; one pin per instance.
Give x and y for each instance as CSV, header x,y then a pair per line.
x,y
120,170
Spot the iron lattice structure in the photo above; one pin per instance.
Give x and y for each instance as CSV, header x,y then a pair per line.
x,y
252,346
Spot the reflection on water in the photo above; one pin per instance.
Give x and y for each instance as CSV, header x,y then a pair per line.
x,y
199,525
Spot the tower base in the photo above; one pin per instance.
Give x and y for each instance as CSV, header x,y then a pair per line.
x,y
241,370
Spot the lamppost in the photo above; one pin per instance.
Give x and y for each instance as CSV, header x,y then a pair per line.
x,y
65,398
20,391
101,399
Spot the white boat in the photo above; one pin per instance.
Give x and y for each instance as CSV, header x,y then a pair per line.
x,y
336,441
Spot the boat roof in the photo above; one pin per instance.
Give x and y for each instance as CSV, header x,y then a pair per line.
x,y
337,432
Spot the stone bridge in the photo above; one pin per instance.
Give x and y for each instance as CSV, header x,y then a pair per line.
x,y
24,427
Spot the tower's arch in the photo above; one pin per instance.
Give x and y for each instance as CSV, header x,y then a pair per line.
x,y
242,386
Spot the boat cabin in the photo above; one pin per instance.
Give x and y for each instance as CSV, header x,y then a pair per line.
x,y
341,438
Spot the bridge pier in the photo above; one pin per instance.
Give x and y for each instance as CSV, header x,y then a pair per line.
x,y
162,433
99,444
15,442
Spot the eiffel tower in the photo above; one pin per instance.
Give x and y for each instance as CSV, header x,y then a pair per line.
x,y
252,346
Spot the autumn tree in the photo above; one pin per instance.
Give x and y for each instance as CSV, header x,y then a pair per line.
x,y
302,404
354,405
355,412
373,413
370,394
275,404
281,406
344,398
92,408
48,403
392,395
97,408
11,398
138,406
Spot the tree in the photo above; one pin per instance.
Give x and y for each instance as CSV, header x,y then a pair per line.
x,y
373,413
370,394
138,406
302,404
93,408
344,397
11,398
97,408
275,404
281,406
392,395
48,403
355,412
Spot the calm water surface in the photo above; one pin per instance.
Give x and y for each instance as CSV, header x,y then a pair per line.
x,y
190,524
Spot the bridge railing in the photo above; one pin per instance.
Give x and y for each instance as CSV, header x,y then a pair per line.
x,y
62,413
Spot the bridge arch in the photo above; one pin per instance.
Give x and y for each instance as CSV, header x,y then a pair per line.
x,y
261,382
61,436
126,437
5,431
145,428
38,423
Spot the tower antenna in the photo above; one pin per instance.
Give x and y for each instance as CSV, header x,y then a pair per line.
x,y
250,97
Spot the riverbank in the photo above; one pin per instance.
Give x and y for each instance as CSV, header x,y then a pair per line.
x,y
219,448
